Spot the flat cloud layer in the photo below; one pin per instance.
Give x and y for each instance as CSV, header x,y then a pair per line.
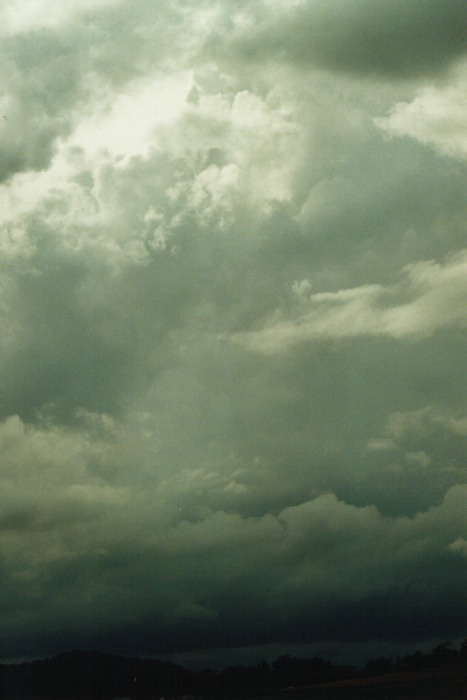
x,y
232,320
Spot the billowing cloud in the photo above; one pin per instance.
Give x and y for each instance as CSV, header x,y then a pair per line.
x,y
84,543
437,117
232,282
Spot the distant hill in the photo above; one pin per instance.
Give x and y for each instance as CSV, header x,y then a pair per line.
x,y
90,675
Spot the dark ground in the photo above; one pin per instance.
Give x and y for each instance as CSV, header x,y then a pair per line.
x,y
442,684
81,675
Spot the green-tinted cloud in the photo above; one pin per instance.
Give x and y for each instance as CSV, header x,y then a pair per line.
x,y
231,326
395,40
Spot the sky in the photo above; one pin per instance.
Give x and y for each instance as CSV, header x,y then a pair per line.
x,y
232,327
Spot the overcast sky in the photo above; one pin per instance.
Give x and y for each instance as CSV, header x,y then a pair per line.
x,y
232,314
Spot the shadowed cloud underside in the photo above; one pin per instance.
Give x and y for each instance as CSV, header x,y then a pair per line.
x,y
232,325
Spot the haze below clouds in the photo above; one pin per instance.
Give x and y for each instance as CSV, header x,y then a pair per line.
x,y
232,327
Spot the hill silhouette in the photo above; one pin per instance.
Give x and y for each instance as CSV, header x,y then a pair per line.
x,y
76,675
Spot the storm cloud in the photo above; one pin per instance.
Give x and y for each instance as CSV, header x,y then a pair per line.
x,y
232,326
397,40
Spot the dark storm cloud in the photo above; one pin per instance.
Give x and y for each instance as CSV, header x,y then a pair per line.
x,y
232,337
196,586
397,39
41,82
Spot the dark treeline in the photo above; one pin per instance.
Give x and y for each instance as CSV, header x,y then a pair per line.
x,y
96,675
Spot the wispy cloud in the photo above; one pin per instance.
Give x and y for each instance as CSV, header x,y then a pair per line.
x,y
436,294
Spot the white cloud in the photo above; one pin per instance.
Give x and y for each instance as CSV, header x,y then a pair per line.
x,y
381,445
437,294
22,16
124,125
437,116
258,134
459,546
425,421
